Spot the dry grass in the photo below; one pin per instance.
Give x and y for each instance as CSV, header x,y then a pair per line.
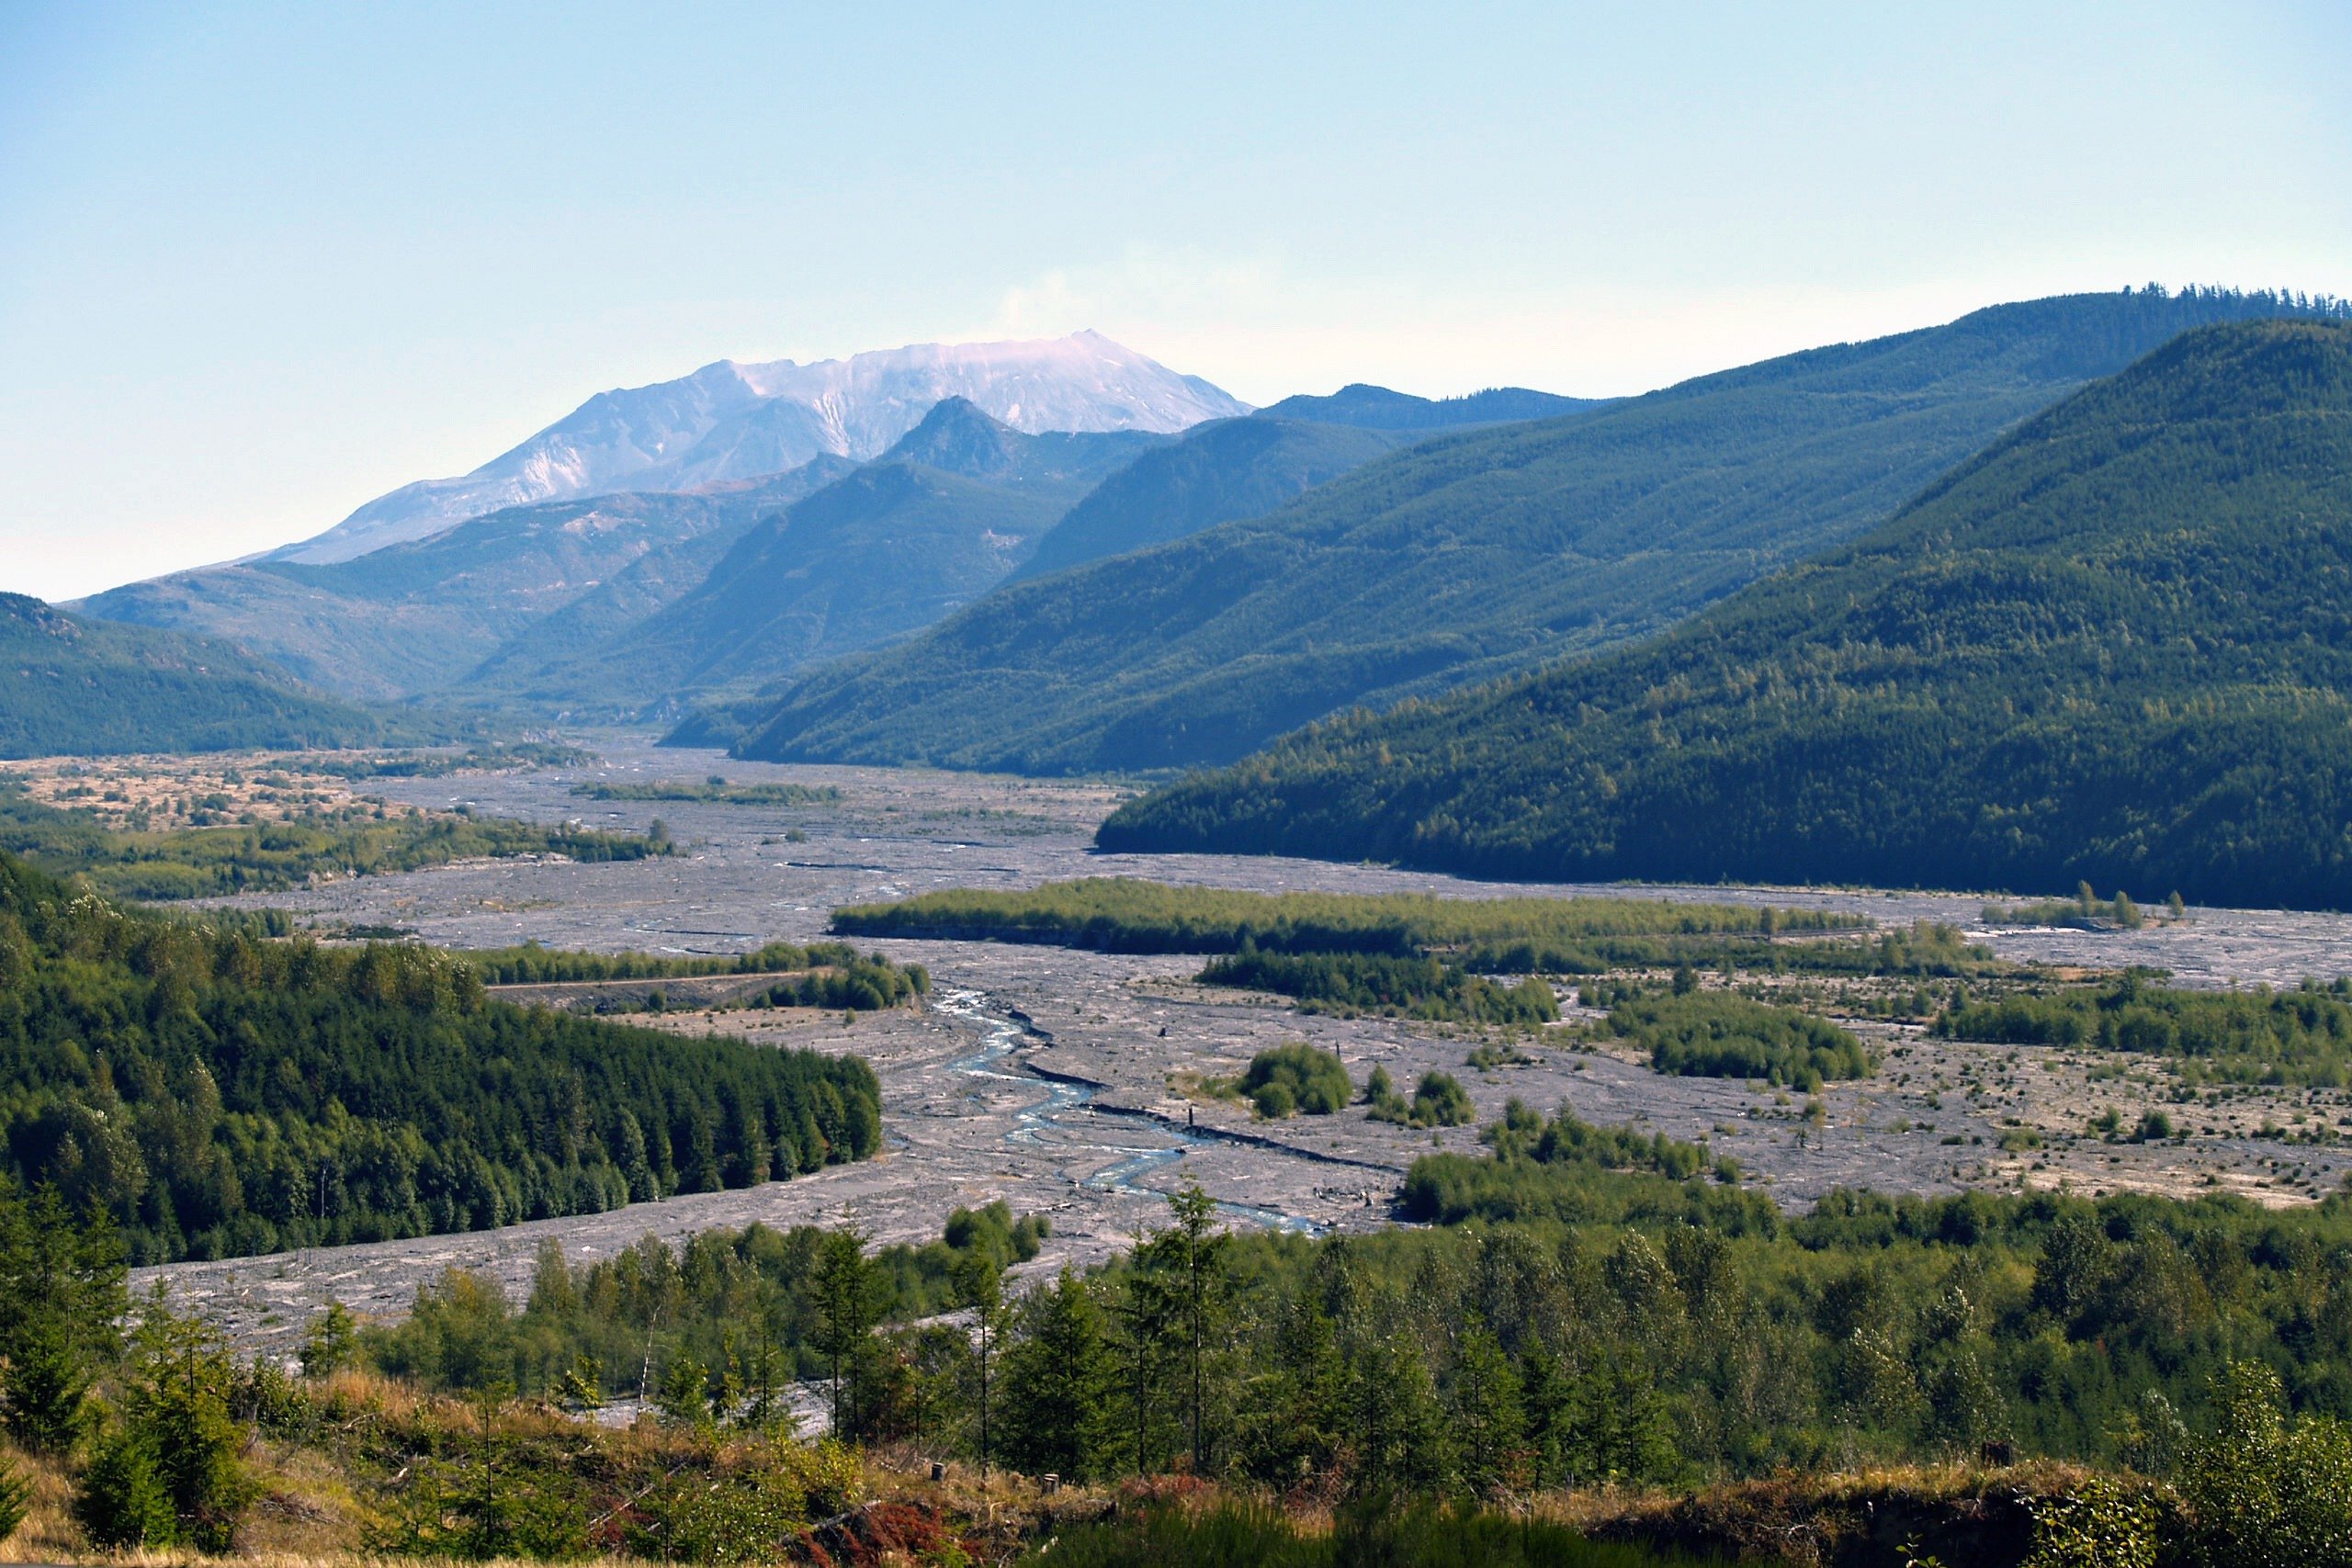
x,y
315,1511
1956,1513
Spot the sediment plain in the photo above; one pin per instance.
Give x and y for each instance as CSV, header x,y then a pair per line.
x,y
1057,1079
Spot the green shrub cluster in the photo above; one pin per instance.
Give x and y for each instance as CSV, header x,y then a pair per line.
x,y
1371,982
747,1310
861,984
1439,1100
2086,909
1561,1167
202,862
836,975
1481,936
531,964
1296,1076
495,757
1718,1034
1122,914
2301,1036
218,1093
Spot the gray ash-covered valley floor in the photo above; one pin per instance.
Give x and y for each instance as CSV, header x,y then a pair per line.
x,y
1048,1078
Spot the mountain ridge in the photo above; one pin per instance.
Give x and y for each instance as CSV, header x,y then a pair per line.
x,y
2112,647
415,616
1217,472
71,686
1466,557
732,421
876,554
1368,407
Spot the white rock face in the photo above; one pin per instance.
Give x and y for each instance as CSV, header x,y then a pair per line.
x,y
735,421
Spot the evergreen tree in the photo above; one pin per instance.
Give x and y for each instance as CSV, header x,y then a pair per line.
x,y
1057,1379
1146,1310
120,1499
849,1303
1489,1422
60,1295
330,1342
1292,1421
1547,1405
1394,1419
178,1390
1193,1259
979,1290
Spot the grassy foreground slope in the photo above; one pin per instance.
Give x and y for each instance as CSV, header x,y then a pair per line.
x,y
2116,646
1468,557
70,686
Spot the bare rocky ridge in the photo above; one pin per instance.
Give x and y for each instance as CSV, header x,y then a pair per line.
x,y
1049,1077
728,421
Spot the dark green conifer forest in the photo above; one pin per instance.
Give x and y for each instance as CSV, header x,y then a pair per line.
x,y
87,687
218,1093
1471,557
2113,648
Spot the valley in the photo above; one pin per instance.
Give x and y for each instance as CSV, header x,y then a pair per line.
x,y
1053,1079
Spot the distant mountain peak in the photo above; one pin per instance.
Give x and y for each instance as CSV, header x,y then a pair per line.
x,y
1368,407
732,419
957,435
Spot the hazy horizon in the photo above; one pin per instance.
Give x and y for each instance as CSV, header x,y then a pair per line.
x,y
266,264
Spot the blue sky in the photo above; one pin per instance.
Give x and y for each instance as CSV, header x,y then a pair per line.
x,y
260,264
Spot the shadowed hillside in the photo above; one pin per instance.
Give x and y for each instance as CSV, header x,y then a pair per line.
x,y
71,686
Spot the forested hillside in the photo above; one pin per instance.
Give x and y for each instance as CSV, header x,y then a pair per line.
x,y
516,590
218,1093
1468,557
75,686
890,548
1378,408
1234,468
2117,645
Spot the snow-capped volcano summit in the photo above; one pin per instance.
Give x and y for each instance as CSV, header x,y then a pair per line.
x,y
729,421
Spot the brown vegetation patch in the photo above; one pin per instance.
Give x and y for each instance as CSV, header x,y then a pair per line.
x,y
1883,1519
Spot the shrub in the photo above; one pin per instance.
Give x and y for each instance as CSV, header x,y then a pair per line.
x,y
1301,1077
1715,1034
2263,1489
2100,1524
120,1500
1439,1100
1348,983
16,1500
